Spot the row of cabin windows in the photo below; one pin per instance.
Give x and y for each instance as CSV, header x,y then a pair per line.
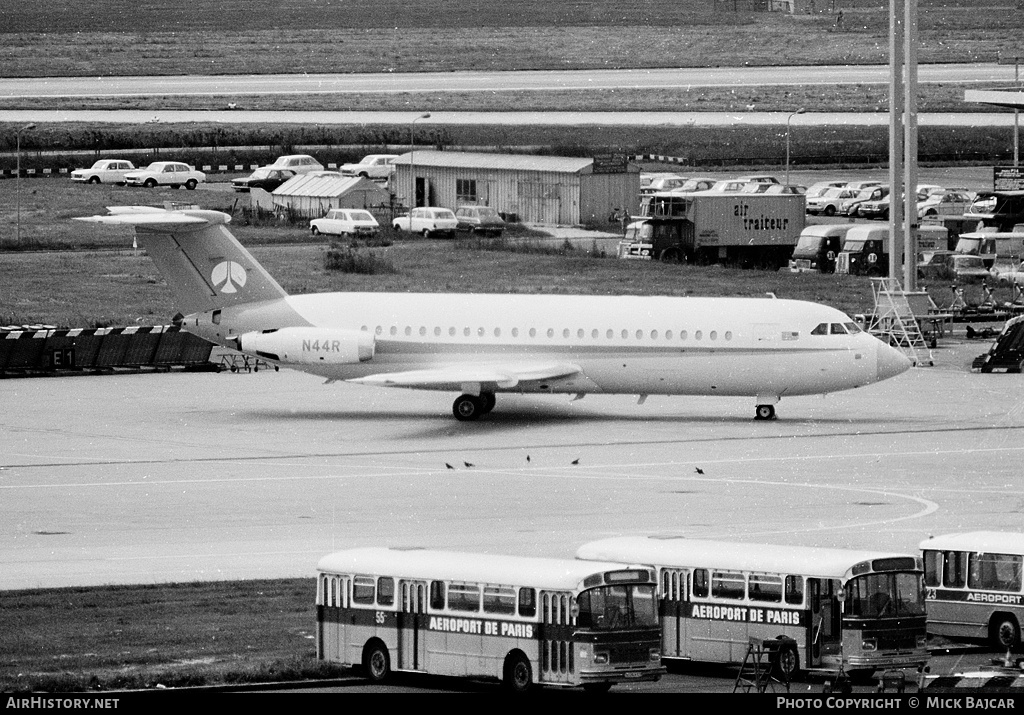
x,y
595,334
733,585
985,572
461,597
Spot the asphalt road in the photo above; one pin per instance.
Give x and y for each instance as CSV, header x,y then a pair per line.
x,y
665,78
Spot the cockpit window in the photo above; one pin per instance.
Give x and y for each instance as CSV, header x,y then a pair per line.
x,y
853,328
838,329
821,329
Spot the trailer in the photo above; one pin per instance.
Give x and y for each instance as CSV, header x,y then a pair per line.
x,y
736,228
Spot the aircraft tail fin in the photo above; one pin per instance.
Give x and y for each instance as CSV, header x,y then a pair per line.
x,y
203,263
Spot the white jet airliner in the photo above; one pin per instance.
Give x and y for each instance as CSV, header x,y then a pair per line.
x,y
480,345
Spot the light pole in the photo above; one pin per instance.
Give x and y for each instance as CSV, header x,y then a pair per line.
x,y
17,182
412,159
799,111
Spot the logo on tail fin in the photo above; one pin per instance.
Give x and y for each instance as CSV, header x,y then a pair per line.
x,y
228,276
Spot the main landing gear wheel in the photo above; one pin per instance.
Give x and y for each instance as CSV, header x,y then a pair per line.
x,y
764,412
468,407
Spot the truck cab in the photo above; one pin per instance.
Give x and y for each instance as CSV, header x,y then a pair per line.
x,y
817,248
865,251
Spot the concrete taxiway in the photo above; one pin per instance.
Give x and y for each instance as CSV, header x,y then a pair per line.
x,y
149,478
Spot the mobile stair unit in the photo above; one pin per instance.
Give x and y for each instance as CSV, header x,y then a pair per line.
x,y
759,672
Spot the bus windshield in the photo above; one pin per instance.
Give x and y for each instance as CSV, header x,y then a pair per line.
x,y
882,595
614,607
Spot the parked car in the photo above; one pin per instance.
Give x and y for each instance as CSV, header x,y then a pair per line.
x,y
949,203
345,222
666,182
697,183
820,187
962,268
1011,274
828,203
428,220
299,163
104,171
759,179
166,173
266,177
482,220
880,209
849,207
372,166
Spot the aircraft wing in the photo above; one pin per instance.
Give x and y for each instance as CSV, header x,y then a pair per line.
x,y
498,375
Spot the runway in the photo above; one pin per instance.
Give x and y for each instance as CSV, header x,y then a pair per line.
x,y
154,478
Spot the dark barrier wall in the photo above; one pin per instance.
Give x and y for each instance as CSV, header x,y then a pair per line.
x,y
49,349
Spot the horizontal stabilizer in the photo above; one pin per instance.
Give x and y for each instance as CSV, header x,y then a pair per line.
x,y
151,218
452,377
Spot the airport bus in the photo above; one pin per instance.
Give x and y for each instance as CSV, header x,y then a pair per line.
x,y
834,609
973,587
520,620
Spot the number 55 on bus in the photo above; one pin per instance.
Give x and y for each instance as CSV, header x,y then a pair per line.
x,y
518,620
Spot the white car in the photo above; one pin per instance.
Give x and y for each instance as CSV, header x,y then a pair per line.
x,y
166,173
829,203
104,171
299,163
372,166
949,203
428,220
345,222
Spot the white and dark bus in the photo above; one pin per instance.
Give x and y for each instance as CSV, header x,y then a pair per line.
x,y
520,620
834,609
973,587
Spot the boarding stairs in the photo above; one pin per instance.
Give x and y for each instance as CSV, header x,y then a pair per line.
x,y
893,321
758,672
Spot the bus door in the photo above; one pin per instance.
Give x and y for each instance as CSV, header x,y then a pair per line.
x,y
411,646
556,653
674,614
825,633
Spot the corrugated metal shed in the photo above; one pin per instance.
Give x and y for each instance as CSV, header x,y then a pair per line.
x,y
505,162
536,189
312,195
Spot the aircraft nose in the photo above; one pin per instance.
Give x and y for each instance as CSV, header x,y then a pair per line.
x,y
891,362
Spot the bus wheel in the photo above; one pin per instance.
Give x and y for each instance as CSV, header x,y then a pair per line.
x,y
518,673
597,687
376,661
1005,632
787,660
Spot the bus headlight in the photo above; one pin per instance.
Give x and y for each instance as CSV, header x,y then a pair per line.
x,y
601,658
655,655
869,644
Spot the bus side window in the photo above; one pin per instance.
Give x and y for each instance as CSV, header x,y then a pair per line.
x,y
700,583
762,587
794,590
464,597
727,584
385,591
437,595
954,571
499,599
527,602
932,570
363,588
